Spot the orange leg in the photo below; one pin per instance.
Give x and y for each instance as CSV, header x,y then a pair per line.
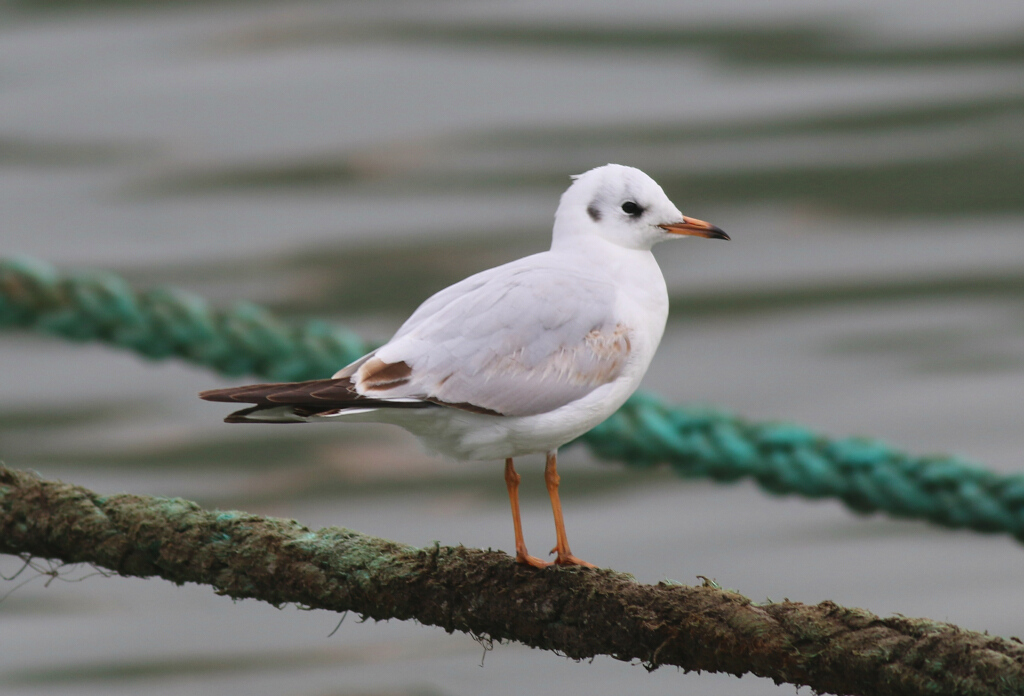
x,y
512,481
552,480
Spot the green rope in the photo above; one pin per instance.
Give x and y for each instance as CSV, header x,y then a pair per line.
x,y
164,322
866,475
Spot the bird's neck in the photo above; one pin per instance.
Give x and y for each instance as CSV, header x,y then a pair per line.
x,y
607,259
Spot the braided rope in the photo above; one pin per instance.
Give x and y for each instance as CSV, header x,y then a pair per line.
x,y
164,322
867,475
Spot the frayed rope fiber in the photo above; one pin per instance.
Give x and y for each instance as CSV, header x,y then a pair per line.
x,y
868,476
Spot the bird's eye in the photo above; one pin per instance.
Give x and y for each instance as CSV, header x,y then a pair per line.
x,y
631,208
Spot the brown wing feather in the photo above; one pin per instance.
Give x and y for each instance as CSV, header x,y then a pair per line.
x,y
305,398
377,375
318,392
322,395
282,392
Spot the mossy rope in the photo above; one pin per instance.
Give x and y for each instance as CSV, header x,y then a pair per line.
x,y
867,475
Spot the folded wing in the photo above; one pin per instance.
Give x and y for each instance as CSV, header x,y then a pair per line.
x,y
524,340
517,340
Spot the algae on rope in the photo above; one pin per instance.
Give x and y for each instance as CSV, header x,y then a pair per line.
x,y
577,612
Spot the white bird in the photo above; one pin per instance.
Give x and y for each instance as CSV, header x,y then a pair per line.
x,y
521,358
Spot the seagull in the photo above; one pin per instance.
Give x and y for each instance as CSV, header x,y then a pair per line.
x,y
519,359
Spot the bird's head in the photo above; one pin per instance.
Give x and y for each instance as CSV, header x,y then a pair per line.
x,y
625,207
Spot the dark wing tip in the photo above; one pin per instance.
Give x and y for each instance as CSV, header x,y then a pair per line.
x,y
275,392
217,395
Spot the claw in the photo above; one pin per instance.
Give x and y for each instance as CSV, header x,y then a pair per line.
x,y
527,559
570,560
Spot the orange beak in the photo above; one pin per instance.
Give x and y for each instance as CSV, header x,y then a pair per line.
x,y
695,228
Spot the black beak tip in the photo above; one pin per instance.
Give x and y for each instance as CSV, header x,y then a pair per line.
x,y
717,233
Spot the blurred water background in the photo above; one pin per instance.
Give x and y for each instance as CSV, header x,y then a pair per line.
x,y
346,159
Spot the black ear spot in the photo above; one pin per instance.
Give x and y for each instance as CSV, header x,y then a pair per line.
x,y
632,209
594,213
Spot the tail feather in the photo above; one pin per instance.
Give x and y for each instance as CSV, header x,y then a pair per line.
x,y
293,402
